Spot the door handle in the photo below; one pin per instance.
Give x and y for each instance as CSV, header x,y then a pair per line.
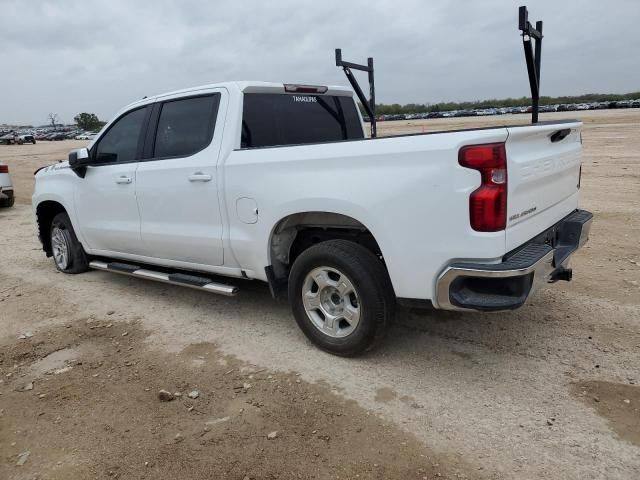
x,y
124,180
199,177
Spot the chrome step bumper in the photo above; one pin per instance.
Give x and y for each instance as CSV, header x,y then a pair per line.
x,y
507,285
179,279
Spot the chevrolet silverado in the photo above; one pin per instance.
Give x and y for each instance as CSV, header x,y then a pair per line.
x,y
278,183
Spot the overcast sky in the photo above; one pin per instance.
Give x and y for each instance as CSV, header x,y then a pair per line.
x,y
69,56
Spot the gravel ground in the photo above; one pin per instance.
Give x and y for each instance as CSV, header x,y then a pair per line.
x,y
548,391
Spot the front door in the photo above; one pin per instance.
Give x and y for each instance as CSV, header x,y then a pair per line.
x,y
177,186
105,199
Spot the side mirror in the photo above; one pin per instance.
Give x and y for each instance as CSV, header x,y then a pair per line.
x,y
79,158
78,161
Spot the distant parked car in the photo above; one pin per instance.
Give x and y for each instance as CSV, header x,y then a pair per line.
x,y
9,138
635,104
25,139
58,136
6,187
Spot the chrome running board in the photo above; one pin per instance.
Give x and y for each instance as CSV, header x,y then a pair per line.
x,y
180,279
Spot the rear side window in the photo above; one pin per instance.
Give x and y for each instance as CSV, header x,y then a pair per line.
x,y
281,119
186,126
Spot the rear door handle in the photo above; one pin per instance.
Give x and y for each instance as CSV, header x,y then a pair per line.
x,y
123,180
199,177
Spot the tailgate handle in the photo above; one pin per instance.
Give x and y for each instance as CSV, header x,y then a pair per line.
x,y
560,135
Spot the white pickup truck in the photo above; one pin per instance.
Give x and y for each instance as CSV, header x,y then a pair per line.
x,y
278,183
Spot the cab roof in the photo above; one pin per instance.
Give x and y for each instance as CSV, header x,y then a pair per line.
x,y
246,86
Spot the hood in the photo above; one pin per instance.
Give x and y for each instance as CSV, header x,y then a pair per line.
x,y
51,168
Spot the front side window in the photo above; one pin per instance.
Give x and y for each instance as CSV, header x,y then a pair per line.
x,y
271,119
186,126
120,143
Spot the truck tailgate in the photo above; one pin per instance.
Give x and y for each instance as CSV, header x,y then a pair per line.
x,y
543,165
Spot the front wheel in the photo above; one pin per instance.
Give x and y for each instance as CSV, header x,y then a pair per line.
x,y
341,297
68,254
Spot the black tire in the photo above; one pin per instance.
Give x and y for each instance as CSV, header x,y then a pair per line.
x,y
372,286
7,202
77,261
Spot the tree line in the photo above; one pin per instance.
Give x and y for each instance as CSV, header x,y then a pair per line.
x,y
88,122
396,108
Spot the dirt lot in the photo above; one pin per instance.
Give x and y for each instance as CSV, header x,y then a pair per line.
x,y
548,391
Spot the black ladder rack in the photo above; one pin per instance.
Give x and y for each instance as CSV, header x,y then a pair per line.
x,y
531,41
369,105
533,60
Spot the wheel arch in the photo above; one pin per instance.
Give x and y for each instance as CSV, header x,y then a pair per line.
x,y
294,233
45,213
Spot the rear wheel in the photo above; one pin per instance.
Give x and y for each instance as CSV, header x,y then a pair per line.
x,y
341,297
68,254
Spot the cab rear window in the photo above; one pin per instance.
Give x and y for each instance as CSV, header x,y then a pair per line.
x,y
284,119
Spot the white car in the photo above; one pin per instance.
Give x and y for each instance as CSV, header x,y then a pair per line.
x,y
85,136
6,187
26,138
278,183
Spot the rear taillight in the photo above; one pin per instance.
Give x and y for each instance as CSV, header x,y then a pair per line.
x,y
488,203
4,168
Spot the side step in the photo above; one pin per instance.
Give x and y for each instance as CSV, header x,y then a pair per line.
x,y
184,280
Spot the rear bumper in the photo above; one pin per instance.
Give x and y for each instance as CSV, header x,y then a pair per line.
x,y
508,285
6,193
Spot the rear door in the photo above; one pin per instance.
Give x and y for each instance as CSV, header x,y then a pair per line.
x,y
543,165
177,185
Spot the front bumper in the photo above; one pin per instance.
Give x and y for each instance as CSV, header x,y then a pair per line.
x,y
508,285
